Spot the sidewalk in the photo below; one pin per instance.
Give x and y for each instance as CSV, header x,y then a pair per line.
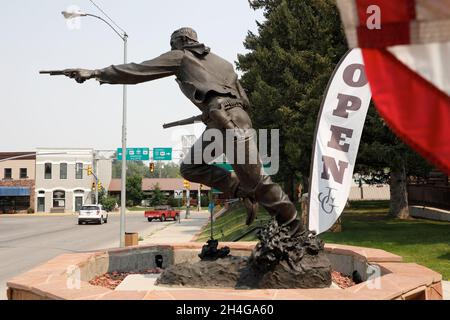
x,y
40,214
179,232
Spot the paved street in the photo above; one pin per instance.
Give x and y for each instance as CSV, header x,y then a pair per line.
x,y
27,241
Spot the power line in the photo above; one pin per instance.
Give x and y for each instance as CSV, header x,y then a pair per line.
x,y
107,16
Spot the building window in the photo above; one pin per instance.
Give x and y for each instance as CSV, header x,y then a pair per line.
x,y
7,173
23,173
78,171
63,171
48,171
59,199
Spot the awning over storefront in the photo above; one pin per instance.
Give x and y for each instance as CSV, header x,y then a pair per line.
x,y
14,192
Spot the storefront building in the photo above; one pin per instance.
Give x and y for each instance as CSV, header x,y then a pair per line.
x,y
62,181
17,182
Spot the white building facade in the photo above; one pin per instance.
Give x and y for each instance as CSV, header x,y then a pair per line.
x,y
62,180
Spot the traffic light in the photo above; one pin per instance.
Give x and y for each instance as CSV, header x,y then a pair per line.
x,y
89,170
93,186
99,186
201,186
152,167
186,184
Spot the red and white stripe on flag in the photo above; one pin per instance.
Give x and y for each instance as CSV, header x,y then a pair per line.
x,y
406,49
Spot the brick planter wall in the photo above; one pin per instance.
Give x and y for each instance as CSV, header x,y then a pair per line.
x,y
67,276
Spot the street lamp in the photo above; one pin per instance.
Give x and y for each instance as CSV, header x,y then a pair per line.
x,y
124,36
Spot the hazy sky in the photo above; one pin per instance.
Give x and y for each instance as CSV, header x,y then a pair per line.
x,y
44,111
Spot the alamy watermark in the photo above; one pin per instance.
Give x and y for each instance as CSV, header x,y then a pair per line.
x,y
73,274
373,22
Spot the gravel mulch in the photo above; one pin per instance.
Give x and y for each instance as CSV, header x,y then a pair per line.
x,y
341,280
112,279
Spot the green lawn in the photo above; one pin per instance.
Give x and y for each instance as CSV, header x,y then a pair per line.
x,y
232,225
139,208
422,241
366,224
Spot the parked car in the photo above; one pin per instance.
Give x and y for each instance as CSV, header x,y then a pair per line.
x,y
162,213
92,213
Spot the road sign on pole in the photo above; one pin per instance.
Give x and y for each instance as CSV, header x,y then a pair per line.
x,y
162,154
135,154
178,194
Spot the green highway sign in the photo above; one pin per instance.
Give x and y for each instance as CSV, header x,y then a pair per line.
x,y
162,154
135,154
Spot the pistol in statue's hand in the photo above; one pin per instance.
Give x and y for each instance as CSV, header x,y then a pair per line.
x,y
80,75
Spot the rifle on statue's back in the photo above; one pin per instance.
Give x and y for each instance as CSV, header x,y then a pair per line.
x,y
183,122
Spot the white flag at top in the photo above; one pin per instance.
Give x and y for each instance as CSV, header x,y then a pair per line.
x,y
338,133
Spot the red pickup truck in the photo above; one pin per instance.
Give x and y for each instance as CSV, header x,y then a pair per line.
x,y
162,213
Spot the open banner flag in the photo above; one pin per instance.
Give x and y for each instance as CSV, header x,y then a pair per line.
x,y
338,133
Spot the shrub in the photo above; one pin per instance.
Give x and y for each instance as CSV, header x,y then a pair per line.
x,y
205,200
108,202
158,196
30,210
171,201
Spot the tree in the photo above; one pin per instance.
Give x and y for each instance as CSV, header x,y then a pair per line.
x,y
108,202
158,197
134,189
384,158
164,170
286,73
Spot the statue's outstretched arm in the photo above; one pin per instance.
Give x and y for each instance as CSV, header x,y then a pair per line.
x,y
165,65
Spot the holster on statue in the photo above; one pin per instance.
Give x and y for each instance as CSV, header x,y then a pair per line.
x,y
217,112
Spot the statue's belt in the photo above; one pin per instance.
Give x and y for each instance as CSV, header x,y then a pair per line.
x,y
222,102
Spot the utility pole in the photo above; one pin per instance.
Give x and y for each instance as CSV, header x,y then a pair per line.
x,y
123,184
187,186
96,176
188,204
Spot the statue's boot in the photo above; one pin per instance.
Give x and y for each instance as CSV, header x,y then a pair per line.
x,y
271,196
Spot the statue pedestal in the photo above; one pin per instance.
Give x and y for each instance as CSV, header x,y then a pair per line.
x,y
395,280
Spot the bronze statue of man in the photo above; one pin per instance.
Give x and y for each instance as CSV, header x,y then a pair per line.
x,y
211,83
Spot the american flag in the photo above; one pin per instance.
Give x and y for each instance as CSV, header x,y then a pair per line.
x,y
406,51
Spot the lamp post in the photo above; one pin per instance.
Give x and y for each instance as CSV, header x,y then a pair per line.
x,y
124,36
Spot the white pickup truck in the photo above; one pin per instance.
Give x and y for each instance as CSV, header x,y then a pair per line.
x,y
92,213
